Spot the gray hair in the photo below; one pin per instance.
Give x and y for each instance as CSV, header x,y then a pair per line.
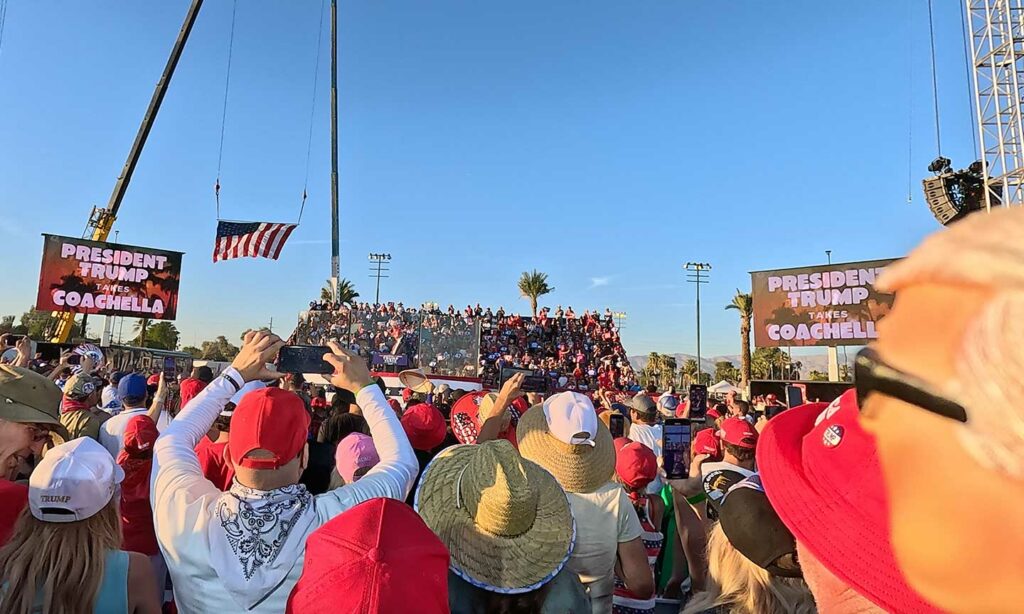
x,y
985,251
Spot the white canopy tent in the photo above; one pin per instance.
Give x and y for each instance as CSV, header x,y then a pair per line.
x,y
723,387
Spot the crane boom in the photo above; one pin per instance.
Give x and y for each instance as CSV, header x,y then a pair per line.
x,y
102,219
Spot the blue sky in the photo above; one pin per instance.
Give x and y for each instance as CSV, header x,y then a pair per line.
x,y
605,143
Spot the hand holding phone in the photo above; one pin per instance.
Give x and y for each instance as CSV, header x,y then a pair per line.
x,y
675,448
617,425
304,359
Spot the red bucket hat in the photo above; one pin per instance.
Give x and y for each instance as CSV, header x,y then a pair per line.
x,y
820,472
424,426
268,419
377,557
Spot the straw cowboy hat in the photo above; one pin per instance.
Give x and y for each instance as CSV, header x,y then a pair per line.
x,y
505,520
564,436
416,380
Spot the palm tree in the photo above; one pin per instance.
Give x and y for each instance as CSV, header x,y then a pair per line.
x,y
532,286
743,303
689,371
346,292
141,326
668,371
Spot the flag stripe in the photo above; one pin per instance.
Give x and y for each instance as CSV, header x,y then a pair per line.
x,y
250,239
288,231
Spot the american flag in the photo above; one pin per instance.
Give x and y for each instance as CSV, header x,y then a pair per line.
x,y
252,239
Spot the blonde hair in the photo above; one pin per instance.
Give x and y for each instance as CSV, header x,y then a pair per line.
x,y
738,585
62,562
984,251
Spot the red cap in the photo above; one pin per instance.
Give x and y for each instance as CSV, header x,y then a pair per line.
x,y
706,442
406,395
735,431
424,425
375,558
189,388
154,380
139,436
820,471
713,414
268,419
635,464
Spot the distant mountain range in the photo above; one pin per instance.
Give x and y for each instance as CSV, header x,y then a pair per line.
x,y
814,362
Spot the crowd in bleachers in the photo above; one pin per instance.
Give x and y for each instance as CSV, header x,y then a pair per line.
x,y
576,351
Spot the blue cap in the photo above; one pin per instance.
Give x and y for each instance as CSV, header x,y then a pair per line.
x,y
132,386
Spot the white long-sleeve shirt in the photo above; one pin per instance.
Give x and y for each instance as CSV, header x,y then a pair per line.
x,y
186,504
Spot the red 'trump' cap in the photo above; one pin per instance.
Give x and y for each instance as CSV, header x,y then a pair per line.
x,y
424,425
635,464
268,419
738,432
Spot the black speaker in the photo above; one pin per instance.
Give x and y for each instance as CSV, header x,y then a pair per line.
x,y
940,199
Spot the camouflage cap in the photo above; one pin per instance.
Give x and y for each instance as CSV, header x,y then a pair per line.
x,y
26,396
80,385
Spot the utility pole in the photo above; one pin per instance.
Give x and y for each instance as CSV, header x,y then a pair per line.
x,y
335,250
697,276
377,268
828,254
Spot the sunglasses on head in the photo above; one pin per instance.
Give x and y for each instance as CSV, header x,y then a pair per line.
x,y
873,375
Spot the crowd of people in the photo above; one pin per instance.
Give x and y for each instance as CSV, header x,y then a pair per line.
x,y
261,495
575,352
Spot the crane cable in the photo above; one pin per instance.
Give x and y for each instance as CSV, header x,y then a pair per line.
x,y
910,107
312,109
224,111
3,22
967,73
935,79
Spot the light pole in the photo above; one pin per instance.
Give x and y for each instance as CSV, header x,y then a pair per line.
x,y
377,268
828,254
696,275
620,316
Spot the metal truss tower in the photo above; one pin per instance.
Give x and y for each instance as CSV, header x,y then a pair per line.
x,y
996,39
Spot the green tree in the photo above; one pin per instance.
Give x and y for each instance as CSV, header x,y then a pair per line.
x,y
7,324
163,336
725,370
38,325
218,349
192,351
533,286
667,375
768,363
346,291
689,372
817,376
744,304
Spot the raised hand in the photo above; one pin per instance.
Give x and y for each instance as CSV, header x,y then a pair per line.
x,y
258,348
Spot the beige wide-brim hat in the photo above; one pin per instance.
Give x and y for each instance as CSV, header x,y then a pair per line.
x,y
579,468
505,520
416,380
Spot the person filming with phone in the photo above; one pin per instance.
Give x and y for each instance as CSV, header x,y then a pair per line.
x,y
242,550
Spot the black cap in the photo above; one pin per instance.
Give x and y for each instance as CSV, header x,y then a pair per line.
x,y
204,374
755,530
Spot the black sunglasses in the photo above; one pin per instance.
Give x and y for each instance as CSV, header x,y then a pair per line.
x,y
873,374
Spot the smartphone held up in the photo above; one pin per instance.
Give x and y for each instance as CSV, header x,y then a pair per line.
x,y
304,359
675,447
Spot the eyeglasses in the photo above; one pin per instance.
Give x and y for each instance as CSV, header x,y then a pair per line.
x,y
872,374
